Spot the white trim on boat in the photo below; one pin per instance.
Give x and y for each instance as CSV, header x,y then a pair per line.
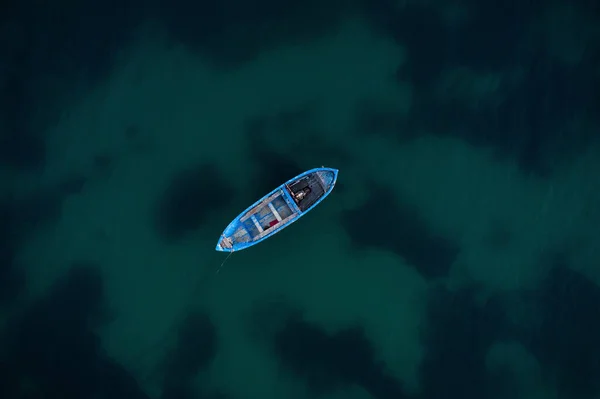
x,y
260,205
277,215
258,226
276,227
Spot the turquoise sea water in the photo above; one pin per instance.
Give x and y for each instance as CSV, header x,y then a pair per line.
x,y
457,256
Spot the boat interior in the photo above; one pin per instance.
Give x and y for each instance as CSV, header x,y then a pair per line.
x,y
313,188
269,213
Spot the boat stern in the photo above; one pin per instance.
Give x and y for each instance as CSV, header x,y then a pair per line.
x,y
225,244
226,241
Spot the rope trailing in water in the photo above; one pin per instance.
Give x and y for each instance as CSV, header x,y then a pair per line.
x,y
223,263
143,355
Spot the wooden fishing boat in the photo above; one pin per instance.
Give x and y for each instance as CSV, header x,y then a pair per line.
x,y
278,209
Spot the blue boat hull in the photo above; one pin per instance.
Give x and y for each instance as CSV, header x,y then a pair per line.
x,y
278,209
